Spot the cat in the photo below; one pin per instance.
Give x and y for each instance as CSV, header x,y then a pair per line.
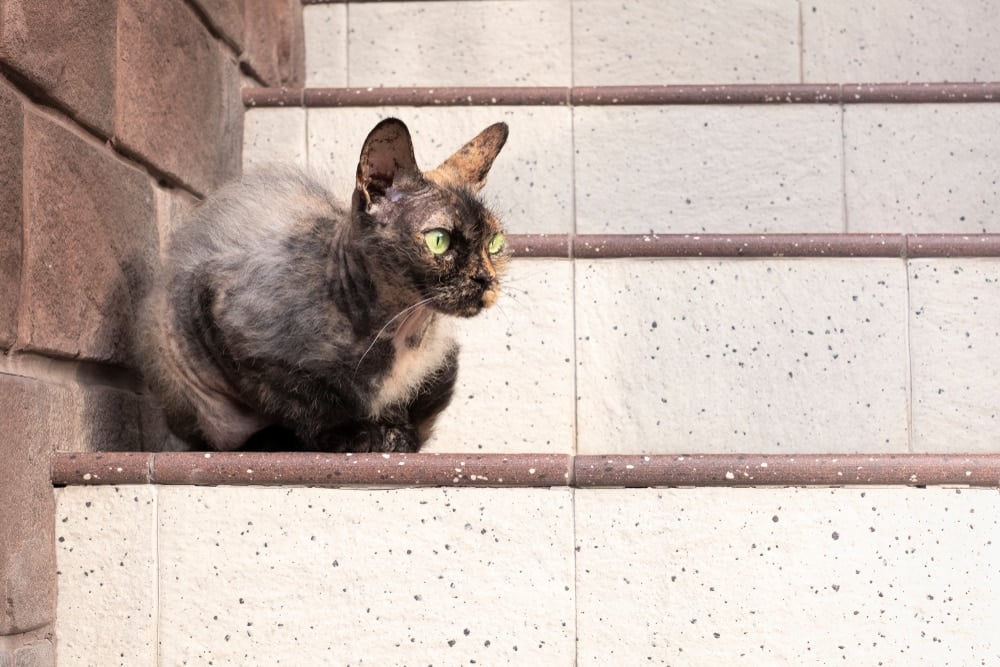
x,y
278,308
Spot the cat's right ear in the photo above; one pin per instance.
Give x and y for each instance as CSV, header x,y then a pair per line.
x,y
386,160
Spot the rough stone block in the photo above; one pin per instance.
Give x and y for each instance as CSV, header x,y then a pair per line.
x,y
185,119
172,204
88,251
35,654
107,419
226,17
67,49
31,421
274,41
11,148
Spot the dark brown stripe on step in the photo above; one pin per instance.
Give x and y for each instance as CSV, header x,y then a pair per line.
x,y
953,245
524,470
791,470
273,97
617,246
719,94
102,468
910,93
435,97
781,93
739,245
306,469
539,245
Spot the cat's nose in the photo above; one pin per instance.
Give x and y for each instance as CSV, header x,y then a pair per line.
x,y
484,279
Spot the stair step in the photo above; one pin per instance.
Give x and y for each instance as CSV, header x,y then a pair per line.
x,y
681,343
600,42
879,158
510,471
236,575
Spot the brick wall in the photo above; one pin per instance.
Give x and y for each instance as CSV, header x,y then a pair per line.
x,y
115,116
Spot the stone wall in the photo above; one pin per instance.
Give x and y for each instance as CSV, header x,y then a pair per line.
x,y
115,116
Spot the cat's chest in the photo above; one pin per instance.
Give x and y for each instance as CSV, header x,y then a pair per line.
x,y
420,346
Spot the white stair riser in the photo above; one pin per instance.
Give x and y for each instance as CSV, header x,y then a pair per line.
x,y
690,169
241,575
631,42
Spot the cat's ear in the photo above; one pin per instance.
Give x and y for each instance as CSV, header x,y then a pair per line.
x,y
386,160
470,164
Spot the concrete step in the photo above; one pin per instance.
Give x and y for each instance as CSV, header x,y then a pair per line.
x,y
648,342
237,575
611,42
712,159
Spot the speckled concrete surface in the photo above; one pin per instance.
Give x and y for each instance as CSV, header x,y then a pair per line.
x,y
274,135
708,169
922,168
106,556
619,42
515,378
326,44
489,43
244,575
530,185
954,335
788,576
741,355
900,40
310,576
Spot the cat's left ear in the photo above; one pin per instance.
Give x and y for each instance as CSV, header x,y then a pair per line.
x,y
470,164
386,160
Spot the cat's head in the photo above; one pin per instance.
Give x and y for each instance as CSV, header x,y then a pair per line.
x,y
429,230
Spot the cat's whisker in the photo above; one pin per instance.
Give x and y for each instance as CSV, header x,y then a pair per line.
x,y
508,289
407,312
503,312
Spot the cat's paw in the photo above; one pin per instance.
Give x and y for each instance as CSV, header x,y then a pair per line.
x,y
395,439
381,438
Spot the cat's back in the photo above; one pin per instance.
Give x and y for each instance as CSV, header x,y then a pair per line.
x,y
252,217
239,242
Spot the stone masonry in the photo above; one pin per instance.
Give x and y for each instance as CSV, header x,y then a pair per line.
x,y
114,117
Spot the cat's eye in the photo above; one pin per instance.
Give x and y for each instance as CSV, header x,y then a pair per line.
x,y
438,241
497,244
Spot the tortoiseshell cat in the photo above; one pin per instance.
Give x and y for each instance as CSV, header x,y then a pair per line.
x,y
279,308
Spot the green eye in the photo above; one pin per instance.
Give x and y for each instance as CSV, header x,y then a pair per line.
x,y
497,243
437,240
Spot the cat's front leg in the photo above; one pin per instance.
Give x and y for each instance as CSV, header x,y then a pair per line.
x,y
396,439
386,438
383,437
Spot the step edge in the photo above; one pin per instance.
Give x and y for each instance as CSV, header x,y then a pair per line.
x,y
659,94
523,470
621,246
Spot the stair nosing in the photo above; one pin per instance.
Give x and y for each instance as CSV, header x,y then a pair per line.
x,y
524,470
666,94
